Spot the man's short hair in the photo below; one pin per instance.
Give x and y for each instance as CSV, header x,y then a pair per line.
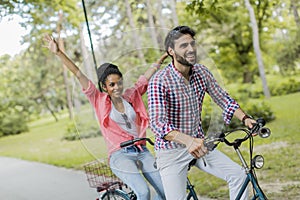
x,y
176,33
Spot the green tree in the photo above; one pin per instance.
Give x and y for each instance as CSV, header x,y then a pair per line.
x,y
290,51
256,46
224,25
35,79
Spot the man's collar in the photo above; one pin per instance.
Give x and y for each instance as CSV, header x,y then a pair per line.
x,y
192,70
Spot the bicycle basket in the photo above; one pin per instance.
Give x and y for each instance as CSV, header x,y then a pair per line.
x,y
100,176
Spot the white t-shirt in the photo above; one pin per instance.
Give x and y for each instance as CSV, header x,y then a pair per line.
x,y
123,120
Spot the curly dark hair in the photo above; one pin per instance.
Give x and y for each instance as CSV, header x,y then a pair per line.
x,y
105,70
176,33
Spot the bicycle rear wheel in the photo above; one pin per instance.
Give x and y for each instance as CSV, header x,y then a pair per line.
x,y
115,195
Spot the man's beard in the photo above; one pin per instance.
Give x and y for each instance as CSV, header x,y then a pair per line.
x,y
183,61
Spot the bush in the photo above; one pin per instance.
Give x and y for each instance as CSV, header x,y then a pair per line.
x,y
285,87
77,131
12,123
246,91
278,87
256,110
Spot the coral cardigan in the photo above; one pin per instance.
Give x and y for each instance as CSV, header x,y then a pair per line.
x,y
102,104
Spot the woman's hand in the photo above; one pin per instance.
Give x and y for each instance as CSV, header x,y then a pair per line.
x,y
52,44
155,66
158,63
162,58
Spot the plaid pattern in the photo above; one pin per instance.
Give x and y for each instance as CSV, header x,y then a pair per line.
x,y
173,105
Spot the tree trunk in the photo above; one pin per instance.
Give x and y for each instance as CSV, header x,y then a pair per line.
x,y
295,12
174,13
136,38
256,47
151,25
65,72
161,23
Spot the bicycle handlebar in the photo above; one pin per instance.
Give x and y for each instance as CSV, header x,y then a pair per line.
x,y
210,142
131,142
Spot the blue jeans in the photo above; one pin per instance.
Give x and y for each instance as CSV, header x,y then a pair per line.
x,y
133,166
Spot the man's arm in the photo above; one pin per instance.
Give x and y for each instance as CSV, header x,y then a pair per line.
x,y
247,120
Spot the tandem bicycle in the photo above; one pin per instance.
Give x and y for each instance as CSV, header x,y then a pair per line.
x,y
109,186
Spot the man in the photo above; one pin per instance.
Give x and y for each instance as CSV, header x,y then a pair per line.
x,y
175,98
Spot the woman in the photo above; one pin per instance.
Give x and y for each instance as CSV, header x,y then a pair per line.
x,y
122,116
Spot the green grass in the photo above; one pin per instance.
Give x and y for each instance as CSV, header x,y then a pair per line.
x,y
280,176
43,143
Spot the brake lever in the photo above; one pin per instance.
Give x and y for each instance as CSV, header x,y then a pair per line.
x,y
210,145
210,142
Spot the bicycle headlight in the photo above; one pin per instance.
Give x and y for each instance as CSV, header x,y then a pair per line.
x,y
258,161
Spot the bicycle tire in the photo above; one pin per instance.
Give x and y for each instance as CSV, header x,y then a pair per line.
x,y
191,197
115,195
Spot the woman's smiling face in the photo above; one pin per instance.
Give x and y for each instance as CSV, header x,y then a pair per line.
x,y
114,85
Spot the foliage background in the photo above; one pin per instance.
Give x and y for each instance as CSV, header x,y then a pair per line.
x,y
43,111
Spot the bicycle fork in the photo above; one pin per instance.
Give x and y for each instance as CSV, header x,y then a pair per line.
x,y
250,178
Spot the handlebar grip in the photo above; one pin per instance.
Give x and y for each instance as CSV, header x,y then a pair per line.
x,y
150,141
127,143
133,141
260,122
210,142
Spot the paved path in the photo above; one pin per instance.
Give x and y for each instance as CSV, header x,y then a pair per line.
x,y
24,180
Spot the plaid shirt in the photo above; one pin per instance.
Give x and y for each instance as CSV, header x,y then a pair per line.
x,y
173,105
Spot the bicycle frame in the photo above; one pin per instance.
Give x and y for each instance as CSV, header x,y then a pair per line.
x,y
250,178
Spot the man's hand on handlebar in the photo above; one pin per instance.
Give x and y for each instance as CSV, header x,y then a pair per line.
x,y
197,148
249,122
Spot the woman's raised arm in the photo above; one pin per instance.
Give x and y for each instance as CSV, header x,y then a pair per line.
x,y
54,48
155,66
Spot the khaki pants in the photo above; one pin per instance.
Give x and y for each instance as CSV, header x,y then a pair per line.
x,y
173,164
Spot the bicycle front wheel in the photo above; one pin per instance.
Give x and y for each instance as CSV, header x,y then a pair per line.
x,y
192,197
115,195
